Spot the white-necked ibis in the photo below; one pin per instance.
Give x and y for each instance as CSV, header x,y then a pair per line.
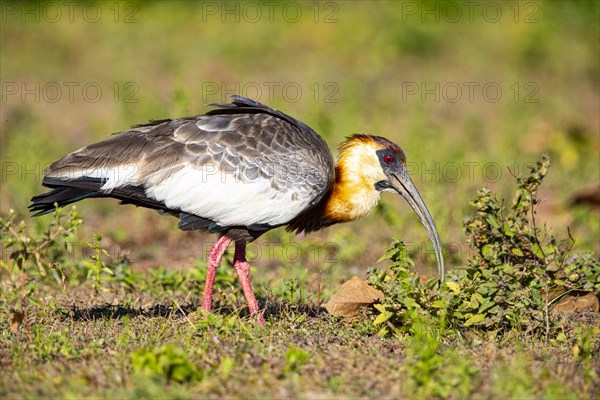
x,y
239,170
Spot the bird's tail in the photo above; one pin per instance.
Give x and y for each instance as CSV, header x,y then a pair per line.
x,y
68,191
63,193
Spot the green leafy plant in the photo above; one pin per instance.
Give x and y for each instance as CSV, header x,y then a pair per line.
x,y
295,358
407,303
508,282
49,345
168,281
587,346
436,372
165,362
96,266
580,273
127,278
516,264
28,258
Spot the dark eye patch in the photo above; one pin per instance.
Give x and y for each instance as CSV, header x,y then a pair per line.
x,y
388,160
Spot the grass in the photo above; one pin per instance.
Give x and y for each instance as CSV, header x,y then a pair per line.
x,y
77,322
298,349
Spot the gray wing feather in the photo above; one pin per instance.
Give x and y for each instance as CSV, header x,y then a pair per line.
x,y
244,138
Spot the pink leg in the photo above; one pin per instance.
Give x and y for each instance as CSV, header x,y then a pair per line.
x,y
214,259
243,272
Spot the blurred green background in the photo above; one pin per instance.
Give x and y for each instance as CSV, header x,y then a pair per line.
x,y
468,89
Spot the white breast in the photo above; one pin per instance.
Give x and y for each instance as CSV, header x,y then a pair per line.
x,y
229,201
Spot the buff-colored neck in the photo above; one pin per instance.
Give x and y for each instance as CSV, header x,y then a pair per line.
x,y
350,199
353,193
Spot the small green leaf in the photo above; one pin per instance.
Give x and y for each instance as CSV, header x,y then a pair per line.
x,y
488,250
475,319
439,304
455,287
490,219
381,318
226,366
381,307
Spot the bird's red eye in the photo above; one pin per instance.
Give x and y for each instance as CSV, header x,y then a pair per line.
x,y
388,159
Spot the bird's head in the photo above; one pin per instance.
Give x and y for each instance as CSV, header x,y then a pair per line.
x,y
367,166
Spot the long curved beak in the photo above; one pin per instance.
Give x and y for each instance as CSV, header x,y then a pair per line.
x,y
402,184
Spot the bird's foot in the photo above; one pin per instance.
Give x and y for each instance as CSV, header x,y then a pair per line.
x,y
260,320
207,308
242,268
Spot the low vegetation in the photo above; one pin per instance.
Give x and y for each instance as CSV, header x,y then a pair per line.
x,y
91,326
518,273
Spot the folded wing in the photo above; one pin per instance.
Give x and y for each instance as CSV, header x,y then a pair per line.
x,y
241,165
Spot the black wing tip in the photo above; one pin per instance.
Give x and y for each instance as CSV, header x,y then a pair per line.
x,y
63,193
152,122
245,101
41,210
57,198
238,101
40,205
245,105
